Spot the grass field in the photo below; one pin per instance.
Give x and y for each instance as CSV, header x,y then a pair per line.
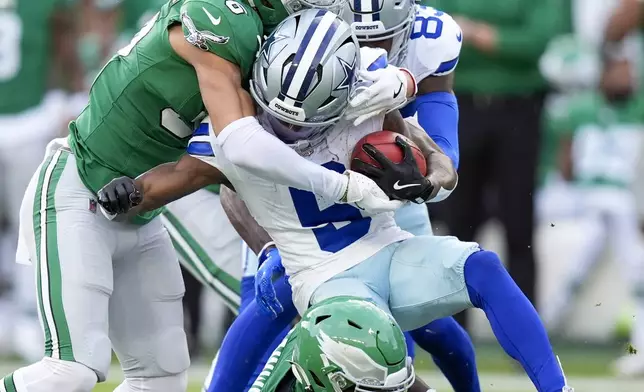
x,y
587,368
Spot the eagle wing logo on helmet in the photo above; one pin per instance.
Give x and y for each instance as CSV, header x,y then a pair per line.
x,y
201,39
355,363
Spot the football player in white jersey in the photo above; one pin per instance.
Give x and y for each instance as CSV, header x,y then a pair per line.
x,y
426,42
303,78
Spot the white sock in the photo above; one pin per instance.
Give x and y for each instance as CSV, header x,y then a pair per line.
x,y
50,374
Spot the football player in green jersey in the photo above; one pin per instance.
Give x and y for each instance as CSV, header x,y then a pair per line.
x,y
106,284
341,344
38,71
625,18
600,134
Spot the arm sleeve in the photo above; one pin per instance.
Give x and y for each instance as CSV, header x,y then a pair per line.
x,y
528,39
228,29
437,114
246,145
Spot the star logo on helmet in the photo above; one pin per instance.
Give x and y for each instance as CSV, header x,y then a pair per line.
x,y
349,74
270,41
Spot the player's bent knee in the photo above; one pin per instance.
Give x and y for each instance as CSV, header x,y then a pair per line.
x,y
170,356
484,262
172,351
484,275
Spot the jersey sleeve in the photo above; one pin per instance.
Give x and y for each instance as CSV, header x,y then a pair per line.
x,y
435,44
228,29
203,145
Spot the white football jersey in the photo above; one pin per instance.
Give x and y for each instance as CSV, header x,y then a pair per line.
x,y
317,238
434,44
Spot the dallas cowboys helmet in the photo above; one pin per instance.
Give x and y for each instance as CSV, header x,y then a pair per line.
x,y
272,12
378,20
304,74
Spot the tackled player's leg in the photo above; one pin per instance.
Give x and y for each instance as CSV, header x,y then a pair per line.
x,y
448,276
444,339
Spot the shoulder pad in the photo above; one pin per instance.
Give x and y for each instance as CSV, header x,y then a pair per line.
x,y
435,43
227,28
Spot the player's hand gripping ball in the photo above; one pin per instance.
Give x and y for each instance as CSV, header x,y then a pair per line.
x,y
395,163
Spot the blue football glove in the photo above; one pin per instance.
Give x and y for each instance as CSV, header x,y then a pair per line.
x,y
270,266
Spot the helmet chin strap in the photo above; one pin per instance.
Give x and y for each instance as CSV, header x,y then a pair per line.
x,y
305,147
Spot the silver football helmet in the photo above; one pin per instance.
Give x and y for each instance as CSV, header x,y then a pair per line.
x,y
378,20
293,6
304,74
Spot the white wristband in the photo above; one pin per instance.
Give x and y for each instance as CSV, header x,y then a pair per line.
x,y
265,248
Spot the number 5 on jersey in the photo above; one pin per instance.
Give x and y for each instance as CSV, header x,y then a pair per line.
x,y
335,227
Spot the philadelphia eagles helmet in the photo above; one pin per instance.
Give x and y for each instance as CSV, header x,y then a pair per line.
x,y
347,343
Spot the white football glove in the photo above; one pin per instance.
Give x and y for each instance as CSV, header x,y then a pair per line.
x,y
365,194
387,92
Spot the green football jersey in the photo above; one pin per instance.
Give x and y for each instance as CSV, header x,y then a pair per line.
x,y
277,375
25,51
145,102
136,12
607,137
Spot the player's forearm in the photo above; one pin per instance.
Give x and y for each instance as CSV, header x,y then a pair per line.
x,y
248,146
241,219
440,169
626,17
172,181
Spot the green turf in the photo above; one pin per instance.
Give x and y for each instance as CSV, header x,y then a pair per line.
x,y
577,359
109,387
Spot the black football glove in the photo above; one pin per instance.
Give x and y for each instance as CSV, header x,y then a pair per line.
x,y
402,181
119,196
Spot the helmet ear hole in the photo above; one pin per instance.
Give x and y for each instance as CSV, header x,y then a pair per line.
x,y
353,324
267,4
317,380
319,319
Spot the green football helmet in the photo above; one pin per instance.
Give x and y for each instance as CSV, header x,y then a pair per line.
x,y
349,344
272,12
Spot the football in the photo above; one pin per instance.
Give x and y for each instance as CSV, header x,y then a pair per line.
x,y
385,142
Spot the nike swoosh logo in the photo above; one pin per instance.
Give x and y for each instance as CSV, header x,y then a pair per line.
x,y
459,36
397,93
398,187
214,20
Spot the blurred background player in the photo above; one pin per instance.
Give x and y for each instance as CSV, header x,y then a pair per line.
x,y
41,89
600,133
